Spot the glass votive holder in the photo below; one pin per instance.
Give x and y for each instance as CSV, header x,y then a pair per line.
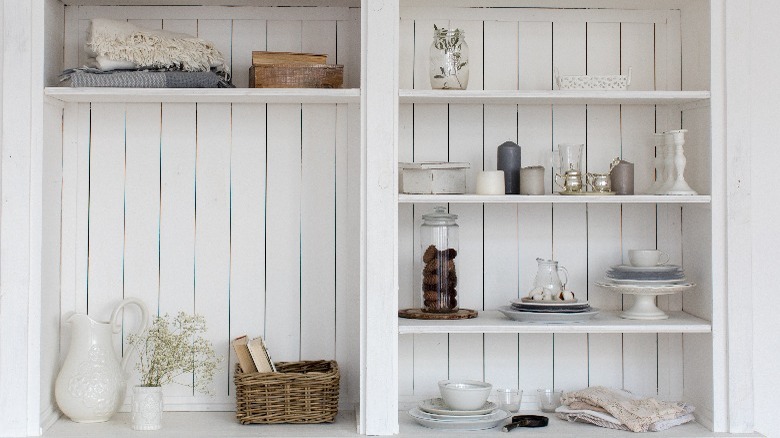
x,y
549,399
509,399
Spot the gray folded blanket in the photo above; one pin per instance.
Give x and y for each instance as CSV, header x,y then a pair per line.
x,y
143,79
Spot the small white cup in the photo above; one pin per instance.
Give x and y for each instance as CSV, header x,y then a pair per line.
x,y
549,399
647,257
490,182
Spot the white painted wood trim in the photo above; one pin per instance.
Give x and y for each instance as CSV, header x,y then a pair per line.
x,y
492,321
379,218
553,199
554,97
737,180
207,95
212,12
20,218
539,13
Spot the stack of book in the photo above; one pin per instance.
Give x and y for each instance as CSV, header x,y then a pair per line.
x,y
253,355
294,70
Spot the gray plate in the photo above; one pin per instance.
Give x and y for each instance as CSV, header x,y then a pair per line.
x,y
547,318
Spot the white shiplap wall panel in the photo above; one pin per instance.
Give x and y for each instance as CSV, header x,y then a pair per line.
x,y
106,209
318,240
178,154
247,222
142,213
283,239
535,46
319,37
212,229
248,36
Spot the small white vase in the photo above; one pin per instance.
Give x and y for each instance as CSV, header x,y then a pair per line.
x,y
147,407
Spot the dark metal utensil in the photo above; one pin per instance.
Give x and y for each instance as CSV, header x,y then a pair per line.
x,y
526,421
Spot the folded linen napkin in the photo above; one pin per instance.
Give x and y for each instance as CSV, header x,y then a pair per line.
x,y
605,420
114,40
635,412
143,79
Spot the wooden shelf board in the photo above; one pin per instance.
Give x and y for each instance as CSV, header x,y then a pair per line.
x,y
554,199
205,95
559,97
493,321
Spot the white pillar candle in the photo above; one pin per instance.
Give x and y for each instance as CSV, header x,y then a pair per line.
x,y
490,182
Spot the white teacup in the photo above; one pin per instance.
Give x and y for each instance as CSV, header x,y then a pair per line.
x,y
647,257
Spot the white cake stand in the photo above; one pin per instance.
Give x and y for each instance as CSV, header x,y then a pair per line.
x,y
644,306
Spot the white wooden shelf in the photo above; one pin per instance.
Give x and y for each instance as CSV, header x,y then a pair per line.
x,y
553,199
559,429
555,97
205,95
493,321
224,425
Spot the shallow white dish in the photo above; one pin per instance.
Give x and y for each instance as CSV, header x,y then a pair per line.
x,y
659,268
547,318
489,422
437,406
671,282
530,302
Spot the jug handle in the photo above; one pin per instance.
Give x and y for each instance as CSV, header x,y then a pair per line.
x,y
116,326
566,274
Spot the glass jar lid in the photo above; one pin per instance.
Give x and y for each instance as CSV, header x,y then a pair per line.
x,y
440,216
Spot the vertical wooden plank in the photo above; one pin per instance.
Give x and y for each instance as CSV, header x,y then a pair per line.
x,y
348,48
154,24
187,26
82,209
220,33
106,209
248,35
406,365
283,218
638,49
318,220
430,351
465,139
570,244
602,145
408,291
212,230
535,46
284,36
82,36
177,215
142,211
406,57
247,222
501,55
69,209
319,37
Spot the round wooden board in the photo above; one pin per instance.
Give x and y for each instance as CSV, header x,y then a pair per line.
x,y
419,314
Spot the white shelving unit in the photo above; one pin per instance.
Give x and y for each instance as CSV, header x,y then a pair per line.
x,y
276,211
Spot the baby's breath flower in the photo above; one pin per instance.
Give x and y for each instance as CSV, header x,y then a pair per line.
x,y
171,347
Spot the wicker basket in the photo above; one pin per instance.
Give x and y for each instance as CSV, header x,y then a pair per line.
x,y
300,392
296,76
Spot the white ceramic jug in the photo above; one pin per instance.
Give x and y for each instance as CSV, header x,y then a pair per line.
x,y
91,385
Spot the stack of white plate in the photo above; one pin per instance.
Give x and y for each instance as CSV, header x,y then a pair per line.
x,y
435,414
549,312
646,275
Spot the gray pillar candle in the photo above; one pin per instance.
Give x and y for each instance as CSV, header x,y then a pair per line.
x,y
509,161
622,177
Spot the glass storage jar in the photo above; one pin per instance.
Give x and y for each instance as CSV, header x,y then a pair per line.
x,y
439,244
449,56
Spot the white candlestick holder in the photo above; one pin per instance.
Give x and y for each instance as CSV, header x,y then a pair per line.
x,y
680,187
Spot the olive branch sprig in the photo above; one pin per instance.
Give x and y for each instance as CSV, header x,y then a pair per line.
x,y
452,49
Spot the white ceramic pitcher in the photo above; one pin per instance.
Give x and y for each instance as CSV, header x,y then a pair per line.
x,y
92,382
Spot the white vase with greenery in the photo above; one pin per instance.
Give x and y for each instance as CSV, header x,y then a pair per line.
x,y
169,348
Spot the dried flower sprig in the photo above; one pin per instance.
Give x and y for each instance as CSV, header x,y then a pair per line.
x,y
172,347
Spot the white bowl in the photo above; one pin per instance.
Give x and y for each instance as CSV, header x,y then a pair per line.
x,y
464,395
